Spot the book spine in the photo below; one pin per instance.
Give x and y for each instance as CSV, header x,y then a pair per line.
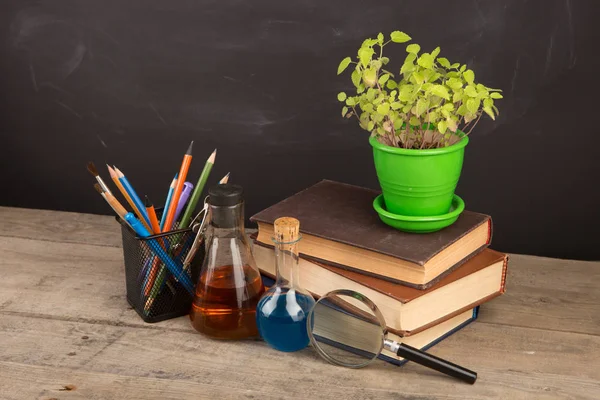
x,y
504,272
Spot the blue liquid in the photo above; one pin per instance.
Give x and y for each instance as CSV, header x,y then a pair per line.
x,y
281,319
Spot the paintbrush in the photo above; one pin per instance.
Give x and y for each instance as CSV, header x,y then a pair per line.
x,y
92,168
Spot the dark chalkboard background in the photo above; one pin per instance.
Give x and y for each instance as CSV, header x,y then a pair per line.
x,y
131,82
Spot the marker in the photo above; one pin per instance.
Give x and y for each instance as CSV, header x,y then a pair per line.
x,y
185,195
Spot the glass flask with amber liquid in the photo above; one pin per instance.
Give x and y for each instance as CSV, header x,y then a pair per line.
x,y
230,285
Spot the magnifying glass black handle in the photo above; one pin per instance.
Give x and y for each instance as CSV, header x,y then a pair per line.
x,y
439,364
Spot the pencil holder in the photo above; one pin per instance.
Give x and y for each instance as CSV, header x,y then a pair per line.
x,y
152,290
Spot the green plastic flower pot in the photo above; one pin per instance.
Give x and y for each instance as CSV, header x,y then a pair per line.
x,y
418,182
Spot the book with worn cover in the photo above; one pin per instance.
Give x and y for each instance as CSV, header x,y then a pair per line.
x,y
340,227
406,310
423,340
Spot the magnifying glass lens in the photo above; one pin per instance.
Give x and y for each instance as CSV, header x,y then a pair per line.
x,y
345,330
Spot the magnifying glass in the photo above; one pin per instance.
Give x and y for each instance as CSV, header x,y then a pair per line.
x,y
347,329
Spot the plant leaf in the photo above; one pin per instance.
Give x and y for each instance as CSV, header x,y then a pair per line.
x,y
355,78
369,42
440,91
489,112
399,37
344,111
495,95
391,84
425,60
442,126
343,65
370,77
341,96
469,76
380,37
383,108
370,125
396,105
413,48
435,52
351,101
443,62
471,91
473,105
365,54
383,79
422,106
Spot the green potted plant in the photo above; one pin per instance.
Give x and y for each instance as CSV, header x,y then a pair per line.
x,y
420,120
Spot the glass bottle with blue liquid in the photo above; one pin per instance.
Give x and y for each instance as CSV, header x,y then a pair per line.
x,y
282,311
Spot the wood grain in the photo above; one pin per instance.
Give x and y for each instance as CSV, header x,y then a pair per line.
x,y
64,321
517,363
59,226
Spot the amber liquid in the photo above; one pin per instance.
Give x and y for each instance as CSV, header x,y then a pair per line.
x,y
224,306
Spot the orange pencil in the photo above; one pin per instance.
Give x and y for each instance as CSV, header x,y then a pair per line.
x,y
117,182
185,166
152,215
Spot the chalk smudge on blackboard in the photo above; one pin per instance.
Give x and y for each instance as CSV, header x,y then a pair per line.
x,y
102,142
33,80
157,114
513,82
66,107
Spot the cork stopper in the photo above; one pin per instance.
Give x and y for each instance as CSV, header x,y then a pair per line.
x,y
287,229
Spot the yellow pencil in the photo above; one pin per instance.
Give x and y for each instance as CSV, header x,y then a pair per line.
x,y
224,179
115,178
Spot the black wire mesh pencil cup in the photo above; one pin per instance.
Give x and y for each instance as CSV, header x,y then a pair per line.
x,y
152,290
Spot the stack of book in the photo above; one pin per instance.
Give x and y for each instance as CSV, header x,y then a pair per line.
x,y
427,286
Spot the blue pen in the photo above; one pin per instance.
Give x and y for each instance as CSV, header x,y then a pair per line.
x,y
168,202
134,197
175,269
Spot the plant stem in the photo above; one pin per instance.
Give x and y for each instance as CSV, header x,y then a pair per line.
x,y
480,114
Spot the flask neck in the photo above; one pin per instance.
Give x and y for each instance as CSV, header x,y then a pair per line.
x,y
228,220
286,254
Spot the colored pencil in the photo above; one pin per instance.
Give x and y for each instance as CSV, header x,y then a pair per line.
x,y
117,182
187,215
185,166
112,201
224,179
175,269
94,171
168,201
136,199
152,215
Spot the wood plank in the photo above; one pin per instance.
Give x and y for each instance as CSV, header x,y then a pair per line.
x,y
539,292
60,226
549,293
512,362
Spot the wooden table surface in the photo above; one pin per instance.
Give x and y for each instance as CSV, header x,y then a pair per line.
x,y
67,332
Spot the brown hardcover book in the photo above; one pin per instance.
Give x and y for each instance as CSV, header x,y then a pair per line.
x,y
339,226
406,310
